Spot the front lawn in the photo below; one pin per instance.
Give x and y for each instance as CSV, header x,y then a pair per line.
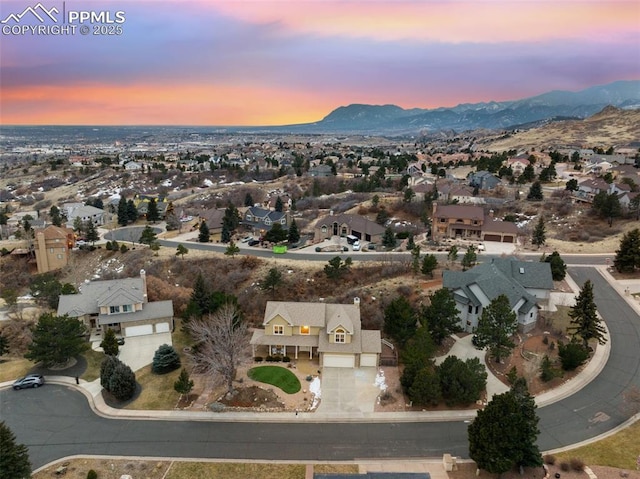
x,y
157,390
276,376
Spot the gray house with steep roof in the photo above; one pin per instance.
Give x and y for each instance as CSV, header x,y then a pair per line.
x,y
118,304
526,284
260,220
347,224
331,332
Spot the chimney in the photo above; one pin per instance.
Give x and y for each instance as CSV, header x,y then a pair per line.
x,y
491,214
143,277
356,301
330,212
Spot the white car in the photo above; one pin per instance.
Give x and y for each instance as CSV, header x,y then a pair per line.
x,y
356,246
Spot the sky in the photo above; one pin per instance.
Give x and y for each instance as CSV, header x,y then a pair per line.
x,y
277,62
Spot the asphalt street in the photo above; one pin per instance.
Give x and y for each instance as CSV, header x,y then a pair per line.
x,y
56,421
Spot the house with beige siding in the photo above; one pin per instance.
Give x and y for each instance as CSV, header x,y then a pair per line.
x,y
53,246
330,332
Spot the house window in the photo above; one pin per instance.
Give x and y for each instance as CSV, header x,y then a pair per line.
x,y
50,250
531,314
283,221
344,230
339,336
267,221
305,329
59,256
278,329
324,229
477,309
127,308
470,309
443,220
114,309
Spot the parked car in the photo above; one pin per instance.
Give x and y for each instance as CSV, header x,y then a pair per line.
x,y
356,246
29,381
120,341
246,239
253,242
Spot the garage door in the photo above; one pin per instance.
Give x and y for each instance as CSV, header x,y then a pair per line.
x,y
507,239
138,330
492,237
339,361
162,328
367,360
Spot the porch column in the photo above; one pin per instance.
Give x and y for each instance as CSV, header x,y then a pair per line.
x,y
296,353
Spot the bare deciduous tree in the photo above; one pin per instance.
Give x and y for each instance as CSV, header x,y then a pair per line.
x,y
222,344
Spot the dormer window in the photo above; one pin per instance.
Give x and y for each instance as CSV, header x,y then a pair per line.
x,y
339,336
278,329
127,308
305,330
267,221
324,229
114,309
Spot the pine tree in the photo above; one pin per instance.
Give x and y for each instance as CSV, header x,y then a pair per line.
x,y
56,339
441,316
279,205
14,457
535,192
539,237
399,320
584,318
132,212
184,384
181,250
54,214
148,236
122,383
389,239
504,433
429,264
4,345
628,255
91,233
558,266
496,326
153,214
294,234
123,217
470,258
232,249
272,281
248,200
109,343
203,234
165,360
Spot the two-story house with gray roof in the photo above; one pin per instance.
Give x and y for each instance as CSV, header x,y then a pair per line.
x,y
260,220
330,332
527,284
118,304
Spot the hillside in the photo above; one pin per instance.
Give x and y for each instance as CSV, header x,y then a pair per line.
x,y
611,126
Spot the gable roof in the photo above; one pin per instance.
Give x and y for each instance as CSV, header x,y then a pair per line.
x,y
355,222
459,211
500,276
92,295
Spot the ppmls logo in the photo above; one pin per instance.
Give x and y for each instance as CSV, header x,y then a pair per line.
x,y
40,20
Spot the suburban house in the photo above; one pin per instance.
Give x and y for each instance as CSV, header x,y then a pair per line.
x,y
347,224
470,223
53,245
320,171
118,304
260,220
455,193
590,188
517,165
84,212
330,332
527,285
484,180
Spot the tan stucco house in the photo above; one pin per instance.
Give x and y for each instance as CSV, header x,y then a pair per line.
x,y
330,332
52,246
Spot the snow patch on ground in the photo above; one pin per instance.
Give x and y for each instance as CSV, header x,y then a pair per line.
x,y
380,381
314,388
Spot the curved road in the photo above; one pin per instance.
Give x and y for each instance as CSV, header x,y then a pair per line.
x,y
57,421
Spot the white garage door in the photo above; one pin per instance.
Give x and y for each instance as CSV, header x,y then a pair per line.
x,y
138,330
367,360
339,361
162,328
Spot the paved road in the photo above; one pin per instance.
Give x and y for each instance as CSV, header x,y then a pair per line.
x,y
56,421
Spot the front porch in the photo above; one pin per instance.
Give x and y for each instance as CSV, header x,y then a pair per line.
x,y
297,352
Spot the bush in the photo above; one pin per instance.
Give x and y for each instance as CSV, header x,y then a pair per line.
x,y
123,248
106,370
92,474
564,465
577,464
165,360
258,359
547,371
572,355
122,383
550,459
286,359
545,340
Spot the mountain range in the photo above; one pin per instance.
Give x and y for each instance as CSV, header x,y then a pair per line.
x,y
394,120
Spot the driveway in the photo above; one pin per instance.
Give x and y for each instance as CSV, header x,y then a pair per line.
x,y
137,352
348,391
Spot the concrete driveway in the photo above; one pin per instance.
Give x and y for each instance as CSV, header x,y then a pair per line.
x,y
346,390
138,351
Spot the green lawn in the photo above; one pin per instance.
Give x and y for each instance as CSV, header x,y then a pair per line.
x,y
94,359
276,376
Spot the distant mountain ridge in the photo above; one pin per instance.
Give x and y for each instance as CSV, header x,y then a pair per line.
x,y
394,120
